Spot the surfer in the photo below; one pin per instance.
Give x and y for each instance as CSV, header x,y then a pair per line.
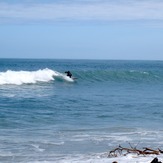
x,y
68,73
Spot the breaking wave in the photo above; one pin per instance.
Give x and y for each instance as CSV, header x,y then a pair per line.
x,y
47,75
31,77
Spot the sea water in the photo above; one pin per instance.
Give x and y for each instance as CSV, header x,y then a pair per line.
x,y
47,117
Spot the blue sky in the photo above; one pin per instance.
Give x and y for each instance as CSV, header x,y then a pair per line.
x,y
82,29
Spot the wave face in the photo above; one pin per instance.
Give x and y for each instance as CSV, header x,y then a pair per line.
x,y
30,77
120,75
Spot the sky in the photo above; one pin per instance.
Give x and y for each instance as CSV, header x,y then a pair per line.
x,y
82,29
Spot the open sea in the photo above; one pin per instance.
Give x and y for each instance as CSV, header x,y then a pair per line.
x,y
46,117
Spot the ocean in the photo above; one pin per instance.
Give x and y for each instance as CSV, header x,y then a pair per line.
x,y
46,117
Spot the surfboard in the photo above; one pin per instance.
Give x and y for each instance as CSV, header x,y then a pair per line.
x,y
74,78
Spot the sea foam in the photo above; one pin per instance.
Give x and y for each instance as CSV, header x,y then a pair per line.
x,y
30,77
98,159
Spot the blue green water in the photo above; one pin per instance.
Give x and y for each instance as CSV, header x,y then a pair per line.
x,y
47,117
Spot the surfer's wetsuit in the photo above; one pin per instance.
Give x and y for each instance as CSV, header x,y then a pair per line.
x,y
68,73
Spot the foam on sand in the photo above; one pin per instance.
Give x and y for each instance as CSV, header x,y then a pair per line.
x,y
95,158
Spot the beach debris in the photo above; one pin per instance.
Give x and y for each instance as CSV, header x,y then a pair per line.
x,y
155,160
123,151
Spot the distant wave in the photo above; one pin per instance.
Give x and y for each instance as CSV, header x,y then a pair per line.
x,y
31,77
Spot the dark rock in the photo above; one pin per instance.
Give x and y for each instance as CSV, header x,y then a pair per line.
x,y
155,160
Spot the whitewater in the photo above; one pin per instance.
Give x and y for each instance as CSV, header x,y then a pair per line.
x,y
47,117
30,77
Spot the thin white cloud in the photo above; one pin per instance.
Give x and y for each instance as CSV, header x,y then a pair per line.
x,y
98,11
